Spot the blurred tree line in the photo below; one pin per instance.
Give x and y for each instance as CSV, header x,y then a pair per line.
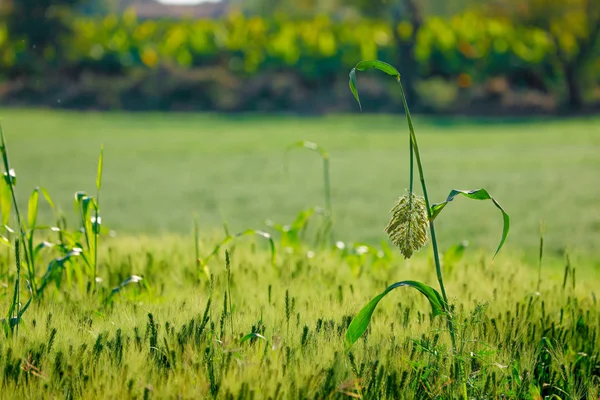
x,y
43,31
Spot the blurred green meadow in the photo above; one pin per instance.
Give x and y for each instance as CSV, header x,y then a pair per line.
x,y
162,169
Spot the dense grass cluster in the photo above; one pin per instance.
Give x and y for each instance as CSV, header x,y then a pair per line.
x,y
181,335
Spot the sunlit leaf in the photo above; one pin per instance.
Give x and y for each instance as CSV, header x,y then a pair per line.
x,y
476,194
361,321
364,65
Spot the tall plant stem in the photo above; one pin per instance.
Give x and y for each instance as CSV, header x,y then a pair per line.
x,y
96,229
96,225
414,147
22,230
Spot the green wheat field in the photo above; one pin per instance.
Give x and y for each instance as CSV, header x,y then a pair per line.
x,y
218,272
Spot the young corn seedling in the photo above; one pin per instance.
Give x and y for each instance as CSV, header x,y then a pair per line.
x,y
81,244
26,227
412,217
10,180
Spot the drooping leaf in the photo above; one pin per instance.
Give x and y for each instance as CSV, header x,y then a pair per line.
x,y
361,321
32,208
476,194
380,65
363,66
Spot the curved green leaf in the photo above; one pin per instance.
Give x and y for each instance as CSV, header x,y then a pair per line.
x,y
476,194
361,321
363,66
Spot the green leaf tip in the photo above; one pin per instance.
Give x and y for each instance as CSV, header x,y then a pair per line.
x,y
361,321
475,194
363,66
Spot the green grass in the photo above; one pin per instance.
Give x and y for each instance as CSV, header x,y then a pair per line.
x,y
179,332
406,353
162,169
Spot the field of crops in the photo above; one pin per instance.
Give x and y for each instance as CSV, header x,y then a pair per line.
x,y
164,299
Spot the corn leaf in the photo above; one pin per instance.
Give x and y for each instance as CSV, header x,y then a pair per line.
x,y
361,321
476,194
363,66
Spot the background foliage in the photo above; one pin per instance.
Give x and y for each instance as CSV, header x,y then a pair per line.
x,y
282,62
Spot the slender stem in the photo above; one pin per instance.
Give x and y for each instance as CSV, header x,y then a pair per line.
x,y
97,224
411,166
17,286
436,257
415,146
541,255
96,229
28,260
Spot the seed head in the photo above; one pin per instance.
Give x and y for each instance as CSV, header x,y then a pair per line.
x,y
407,228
